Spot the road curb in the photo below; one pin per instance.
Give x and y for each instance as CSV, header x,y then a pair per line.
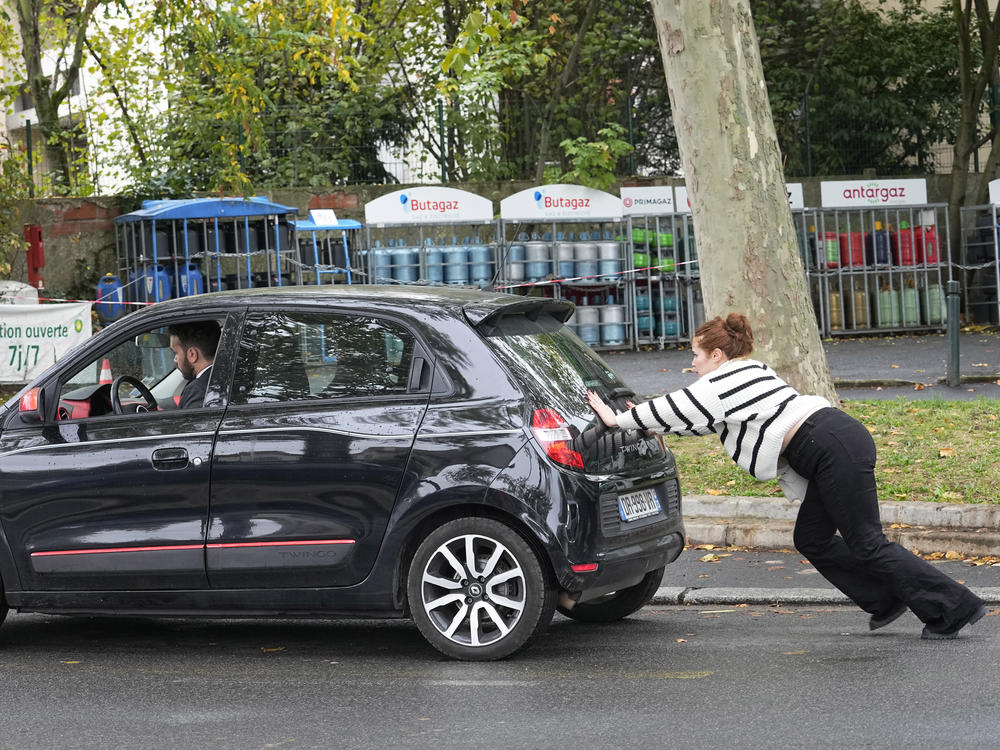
x,y
968,530
671,595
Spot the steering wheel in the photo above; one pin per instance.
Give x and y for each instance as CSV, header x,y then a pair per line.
x,y
148,397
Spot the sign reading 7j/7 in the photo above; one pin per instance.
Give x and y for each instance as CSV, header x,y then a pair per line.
x,y
33,337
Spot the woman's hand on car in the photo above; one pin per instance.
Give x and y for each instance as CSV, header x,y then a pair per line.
x,y
605,412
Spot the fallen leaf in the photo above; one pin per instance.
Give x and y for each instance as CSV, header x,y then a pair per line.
x,y
899,526
681,640
952,555
709,558
267,650
979,364
70,662
776,567
714,492
918,386
947,453
793,653
894,367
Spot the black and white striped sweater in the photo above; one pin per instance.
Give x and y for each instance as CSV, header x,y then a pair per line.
x,y
743,401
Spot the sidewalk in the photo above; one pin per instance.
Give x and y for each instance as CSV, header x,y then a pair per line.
x,y
874,367
867,368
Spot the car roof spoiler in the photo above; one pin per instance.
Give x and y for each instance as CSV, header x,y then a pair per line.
x,y
481,314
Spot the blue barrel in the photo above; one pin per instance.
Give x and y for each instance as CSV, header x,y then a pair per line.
x,y
480,264
189,281
136,290
110,299
405,264
642,300
157,284
456,269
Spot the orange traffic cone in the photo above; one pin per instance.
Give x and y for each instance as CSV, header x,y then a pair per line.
x,y
105,372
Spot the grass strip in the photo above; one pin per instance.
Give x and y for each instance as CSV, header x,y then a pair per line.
x,y
938,451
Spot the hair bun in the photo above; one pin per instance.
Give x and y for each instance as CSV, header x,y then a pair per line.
x,y
737,323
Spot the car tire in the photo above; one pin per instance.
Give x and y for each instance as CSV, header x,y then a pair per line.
x,y
478,591
618,604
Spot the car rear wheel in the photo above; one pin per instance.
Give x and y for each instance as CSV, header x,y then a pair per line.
x,y
477,590
618,604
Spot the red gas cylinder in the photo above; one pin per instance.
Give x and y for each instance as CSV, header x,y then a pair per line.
x,y
852,249
902,245
926,241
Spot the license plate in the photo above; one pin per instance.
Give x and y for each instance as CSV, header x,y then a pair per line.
x,y
636,505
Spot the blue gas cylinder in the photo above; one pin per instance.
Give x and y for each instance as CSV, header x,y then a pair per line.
x,y
157,283
434,260
381,268
877,246
405,264
480,264
189,281
110,299
456,269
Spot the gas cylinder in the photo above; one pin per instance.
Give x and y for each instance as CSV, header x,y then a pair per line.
x,y
877,246
836,310
852,248
902,245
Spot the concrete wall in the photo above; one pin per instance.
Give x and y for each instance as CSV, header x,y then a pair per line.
x,y
83,228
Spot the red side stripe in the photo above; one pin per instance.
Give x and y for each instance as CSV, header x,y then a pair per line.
x,y
106,550
230,545
176,547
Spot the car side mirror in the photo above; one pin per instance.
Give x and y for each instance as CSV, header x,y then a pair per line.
x,y
31,406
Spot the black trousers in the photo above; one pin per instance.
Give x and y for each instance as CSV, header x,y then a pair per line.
x,y
837,455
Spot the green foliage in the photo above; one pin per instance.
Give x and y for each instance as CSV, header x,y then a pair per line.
x,y
595,162
13,189
854,87
511,59
85,278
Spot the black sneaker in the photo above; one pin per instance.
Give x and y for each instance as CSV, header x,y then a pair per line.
x,y
952,630
880,621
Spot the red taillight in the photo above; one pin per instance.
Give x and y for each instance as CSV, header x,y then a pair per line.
x,y
584,568
553,434
29,401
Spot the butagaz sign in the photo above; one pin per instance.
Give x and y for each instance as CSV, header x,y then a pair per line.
x,y
561,202
873,193
647,201
33,337
428,205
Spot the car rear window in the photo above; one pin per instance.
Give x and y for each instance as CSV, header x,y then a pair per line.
x,y
552,363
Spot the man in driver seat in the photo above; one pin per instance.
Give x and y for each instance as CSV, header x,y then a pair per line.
x,y
194,346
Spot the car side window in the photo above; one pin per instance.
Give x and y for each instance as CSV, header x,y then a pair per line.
x,y
294,356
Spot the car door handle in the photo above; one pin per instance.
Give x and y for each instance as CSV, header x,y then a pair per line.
x,y
170,458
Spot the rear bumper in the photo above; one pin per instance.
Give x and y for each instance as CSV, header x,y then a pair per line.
x,y
625,566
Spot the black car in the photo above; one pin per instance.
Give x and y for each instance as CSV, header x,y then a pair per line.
x,y
365,451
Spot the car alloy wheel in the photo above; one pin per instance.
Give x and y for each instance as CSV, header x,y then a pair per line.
x,y
477,590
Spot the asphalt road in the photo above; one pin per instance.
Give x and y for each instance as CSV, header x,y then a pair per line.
x,y
697,677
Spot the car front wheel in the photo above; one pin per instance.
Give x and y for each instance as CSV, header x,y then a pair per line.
x,y
618,604
477,590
